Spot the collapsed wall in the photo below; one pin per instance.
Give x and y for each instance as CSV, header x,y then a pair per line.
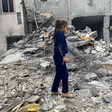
x,y
100,23
93,22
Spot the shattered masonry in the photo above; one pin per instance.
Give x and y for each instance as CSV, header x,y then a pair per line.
x,y
95,14
26,72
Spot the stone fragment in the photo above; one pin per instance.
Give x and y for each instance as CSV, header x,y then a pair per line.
x,y
91,76
60,107
73,39
12,58
46,106
33,99
81,43
108,97
77,86
100,85
85,93
12,84
106,34
94,92
30,50
2,92
45,64
54,110
93,51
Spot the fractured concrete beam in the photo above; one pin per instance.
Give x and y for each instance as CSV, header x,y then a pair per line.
x,y
106,35
106,22
106,32
73,49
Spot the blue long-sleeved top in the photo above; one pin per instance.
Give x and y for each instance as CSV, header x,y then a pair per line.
x,y
60,44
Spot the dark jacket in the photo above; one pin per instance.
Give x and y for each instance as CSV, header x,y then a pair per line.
x,y
60,44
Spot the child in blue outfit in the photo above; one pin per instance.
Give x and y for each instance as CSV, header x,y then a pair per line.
x,y
60,60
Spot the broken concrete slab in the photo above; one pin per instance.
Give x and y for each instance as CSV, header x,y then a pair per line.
x,y
108,97
45,64
73,39
33,99
12,84
2,92
61,107
98,48
106,34
10,51
73,49
81,43
13,57
72,67
22,73
94,92
90,77
30,50
106,22
85,93
102,86
93,51
46,106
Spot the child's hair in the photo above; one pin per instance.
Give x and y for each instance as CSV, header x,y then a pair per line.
x,y
59,23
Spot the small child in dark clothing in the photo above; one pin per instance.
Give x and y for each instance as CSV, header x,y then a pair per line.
x,y
60,50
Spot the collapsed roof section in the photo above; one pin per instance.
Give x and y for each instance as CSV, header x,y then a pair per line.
x,y
35,16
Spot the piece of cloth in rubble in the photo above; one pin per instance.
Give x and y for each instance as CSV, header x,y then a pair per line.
x,y
60,44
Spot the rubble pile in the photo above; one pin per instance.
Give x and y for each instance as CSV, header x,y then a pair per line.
x,y
86,41
33,16
27,73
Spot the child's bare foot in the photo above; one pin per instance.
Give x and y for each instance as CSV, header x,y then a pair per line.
x,y
56,93
68,95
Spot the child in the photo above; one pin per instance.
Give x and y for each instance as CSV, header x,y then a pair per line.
x,y
60,50
46,39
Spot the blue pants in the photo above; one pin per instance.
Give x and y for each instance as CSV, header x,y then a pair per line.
x,y
61,74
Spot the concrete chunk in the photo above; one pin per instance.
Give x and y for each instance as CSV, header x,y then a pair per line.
x,y
45,64
106,22
30,50
91,76
33,99
108,97
73,39
106,35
